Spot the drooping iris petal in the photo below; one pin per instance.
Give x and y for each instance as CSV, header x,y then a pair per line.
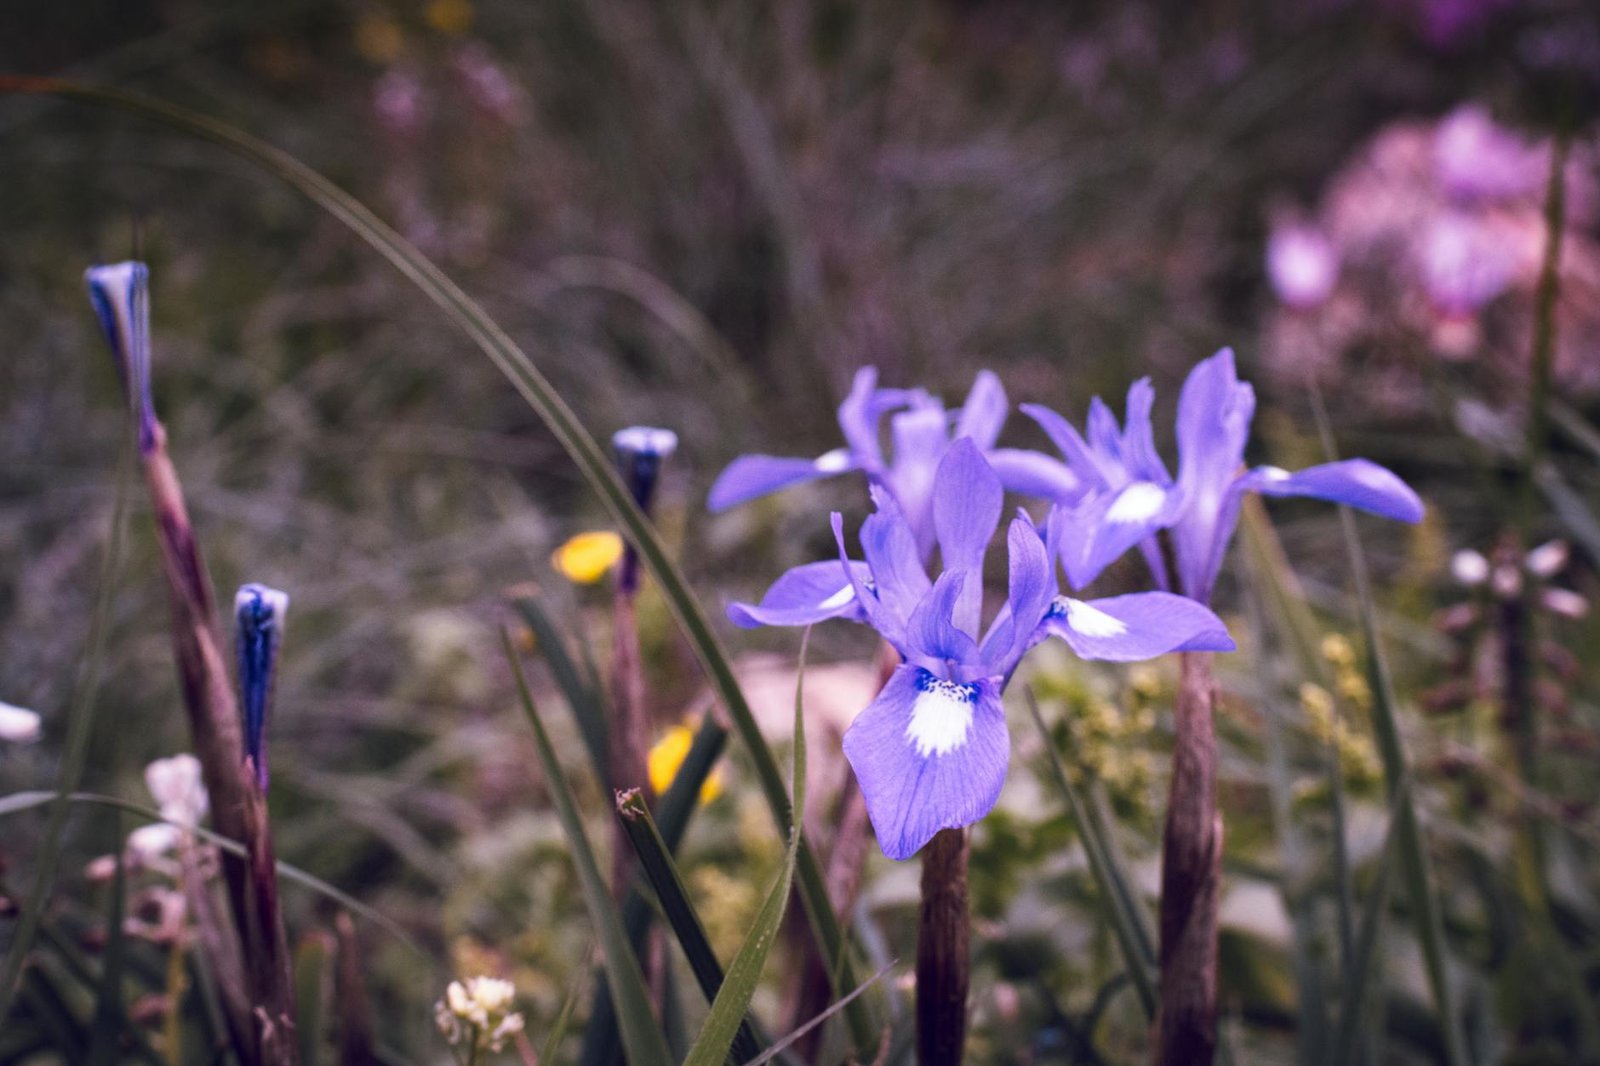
x,y
750,476
1029,473
967,499
1133,627
984,413
1356,482
929,754
807,594
1214,413
120,293
259,612
884,616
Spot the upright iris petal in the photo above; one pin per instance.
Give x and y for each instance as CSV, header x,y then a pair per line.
x,y
120,294
921,430
1127,496
259,612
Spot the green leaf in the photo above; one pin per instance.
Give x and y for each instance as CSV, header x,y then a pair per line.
x,y
1114,898
641,1036
732,1003
585,700
1362,981
80,722
592,461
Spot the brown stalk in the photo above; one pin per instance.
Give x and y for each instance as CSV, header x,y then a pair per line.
x,y
357,1044
238,808
944,930
1191,872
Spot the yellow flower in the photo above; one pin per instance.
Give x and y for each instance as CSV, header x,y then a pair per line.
x,y
453,17
667,757
587,557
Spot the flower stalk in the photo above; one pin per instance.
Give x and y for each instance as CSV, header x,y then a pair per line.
x,y
1191,874
944,932
120,295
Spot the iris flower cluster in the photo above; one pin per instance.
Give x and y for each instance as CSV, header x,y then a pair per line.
x,y
931,751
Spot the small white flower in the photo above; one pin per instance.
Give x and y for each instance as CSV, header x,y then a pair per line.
x,y
18,724
1548,559
1469,567
478,1012
176,786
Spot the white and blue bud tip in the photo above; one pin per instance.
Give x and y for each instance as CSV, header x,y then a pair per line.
x,y
259,612
120,293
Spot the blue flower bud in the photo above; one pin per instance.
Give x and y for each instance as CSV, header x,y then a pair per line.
x,y
120,294
259,612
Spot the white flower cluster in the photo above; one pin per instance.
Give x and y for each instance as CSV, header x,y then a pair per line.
x,y
478,1013
180,795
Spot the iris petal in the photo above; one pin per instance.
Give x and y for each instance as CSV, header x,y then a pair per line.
x,y
984,413
929,754
813,592
1138,626
966,508
750,476
1356,482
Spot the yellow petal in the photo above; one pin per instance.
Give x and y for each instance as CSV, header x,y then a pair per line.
x,y
666,758
586,557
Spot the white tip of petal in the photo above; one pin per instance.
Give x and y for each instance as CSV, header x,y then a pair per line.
x,y
1278,473
838,599
834,462
1091,621
18,724
276,600
1139,502
941,717
645,440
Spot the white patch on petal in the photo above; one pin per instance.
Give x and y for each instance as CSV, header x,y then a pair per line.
x,y
834,462
1139,502
838,599
18,724
1091,621
1273,473
941,716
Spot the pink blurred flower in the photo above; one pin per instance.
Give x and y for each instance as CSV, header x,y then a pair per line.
x,y
1476,159
1462,266
1302,265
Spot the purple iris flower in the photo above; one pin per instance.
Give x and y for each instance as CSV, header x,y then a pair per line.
x,y
920,430
1127,495
930,752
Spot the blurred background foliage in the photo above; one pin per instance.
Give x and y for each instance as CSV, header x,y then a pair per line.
x,y
706,216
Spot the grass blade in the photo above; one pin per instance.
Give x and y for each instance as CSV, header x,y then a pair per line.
x,y
641,1036
1361,988
1124,925
311,970
586,701
780,1046
593,462
80,723
732,1002
658,866
557,1031
109,1018
16,802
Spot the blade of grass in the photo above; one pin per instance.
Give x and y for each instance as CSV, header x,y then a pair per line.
x,y
17,802
732,1001
592,461
584,699
780,1046
641,1036
80,724
1362,981
557,1030
109,1017
1123,924
1396,773
685,923
311,970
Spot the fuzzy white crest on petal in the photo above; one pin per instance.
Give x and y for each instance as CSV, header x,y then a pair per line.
x,y
941,716
1090,621
838,599
834,462
1139,502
